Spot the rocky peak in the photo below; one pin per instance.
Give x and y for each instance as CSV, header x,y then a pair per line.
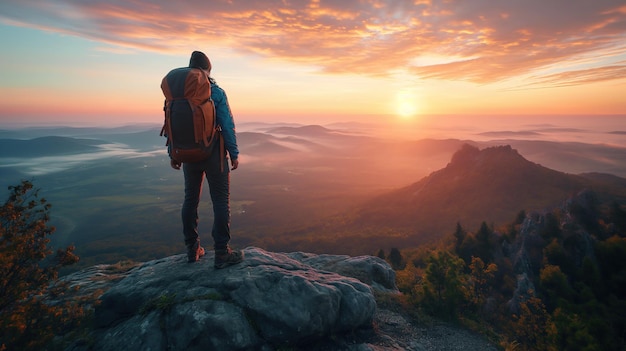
x,y
491,185
471,157
466,154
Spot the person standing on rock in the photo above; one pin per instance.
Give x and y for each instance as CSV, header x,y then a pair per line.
x,y
183,88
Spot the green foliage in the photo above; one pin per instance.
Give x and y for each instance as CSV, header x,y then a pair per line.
x,y
611,255
163,302
480,244
482,277
555,286
574,333
467,248
589,276
443,288
555,254
533,327
408,278
28,275
579,275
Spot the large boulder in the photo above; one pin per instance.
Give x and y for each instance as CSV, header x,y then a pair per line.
x,y
271,300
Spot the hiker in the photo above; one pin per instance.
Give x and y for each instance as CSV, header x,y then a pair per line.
x,y
217,143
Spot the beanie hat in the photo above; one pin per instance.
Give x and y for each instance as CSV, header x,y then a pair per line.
x,y
199,60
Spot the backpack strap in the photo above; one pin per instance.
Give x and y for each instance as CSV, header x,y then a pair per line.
x,y
201,134
166,130
165,118
222,150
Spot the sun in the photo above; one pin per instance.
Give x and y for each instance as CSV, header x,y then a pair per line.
x,y
406,104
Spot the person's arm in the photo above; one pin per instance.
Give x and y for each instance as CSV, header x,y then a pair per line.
x,y
225,120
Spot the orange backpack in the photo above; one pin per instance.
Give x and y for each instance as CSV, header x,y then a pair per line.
x,y
190,126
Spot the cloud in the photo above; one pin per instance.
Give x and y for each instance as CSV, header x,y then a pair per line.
x,y
585,76
479,41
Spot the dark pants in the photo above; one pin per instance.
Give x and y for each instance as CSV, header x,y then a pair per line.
x,y
218,179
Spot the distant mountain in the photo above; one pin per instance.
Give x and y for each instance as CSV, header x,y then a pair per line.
x,y
309,130
313,132
47,146
263,126
491,185
143,140
262,144
575,157
67,131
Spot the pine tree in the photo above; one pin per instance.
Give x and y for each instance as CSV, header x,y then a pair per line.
x,y
459,236
444,284
395,258
484,247
481,276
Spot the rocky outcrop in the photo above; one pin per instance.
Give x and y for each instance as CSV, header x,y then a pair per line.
x,y
271,300
538,229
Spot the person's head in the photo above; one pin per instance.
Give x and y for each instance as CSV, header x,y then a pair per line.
x,y
200,60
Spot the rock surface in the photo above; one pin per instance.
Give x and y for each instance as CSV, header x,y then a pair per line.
x,y
268,301
271,301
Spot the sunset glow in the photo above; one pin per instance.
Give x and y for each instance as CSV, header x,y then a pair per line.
x,y
74,61
406,104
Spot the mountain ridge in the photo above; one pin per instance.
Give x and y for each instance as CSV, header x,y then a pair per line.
x,y
497,181
47,146
491,185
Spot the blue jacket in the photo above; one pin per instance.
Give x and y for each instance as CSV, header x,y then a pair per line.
x,y
224,118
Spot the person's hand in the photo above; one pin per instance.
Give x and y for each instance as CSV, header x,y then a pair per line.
x,y
175,164
235,164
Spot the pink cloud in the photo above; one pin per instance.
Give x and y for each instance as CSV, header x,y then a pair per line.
x,y
486,41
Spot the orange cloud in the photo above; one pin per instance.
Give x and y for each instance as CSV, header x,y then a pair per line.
x,y
485,41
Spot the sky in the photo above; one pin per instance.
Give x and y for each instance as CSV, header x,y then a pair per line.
x,y
94,62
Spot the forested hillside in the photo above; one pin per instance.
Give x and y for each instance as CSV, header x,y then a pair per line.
x,y
550,280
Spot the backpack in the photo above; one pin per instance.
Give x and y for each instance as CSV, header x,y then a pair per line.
x,y
190,126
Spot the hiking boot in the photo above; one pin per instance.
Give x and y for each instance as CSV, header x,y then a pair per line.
x,y
228,257
194,253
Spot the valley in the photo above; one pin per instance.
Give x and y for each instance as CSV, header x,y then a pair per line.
x,y
299,188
